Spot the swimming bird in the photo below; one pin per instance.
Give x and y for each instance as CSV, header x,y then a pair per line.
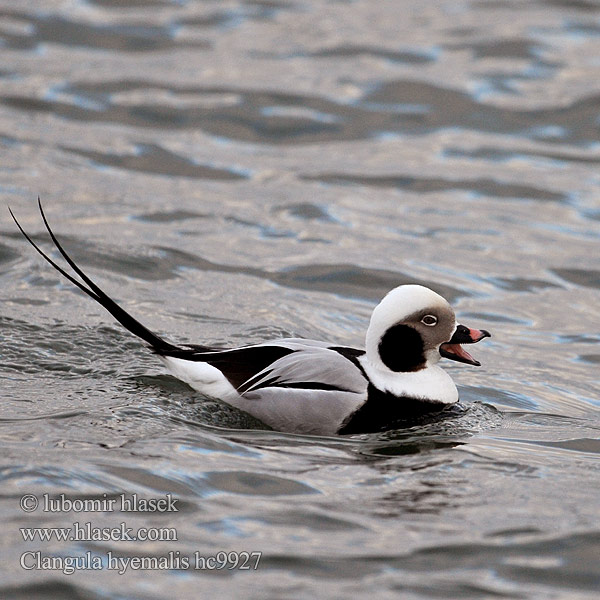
x,y
312,387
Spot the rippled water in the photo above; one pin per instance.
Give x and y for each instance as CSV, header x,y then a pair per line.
x,y
237,171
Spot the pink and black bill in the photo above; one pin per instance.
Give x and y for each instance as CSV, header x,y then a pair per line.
x,y
463,335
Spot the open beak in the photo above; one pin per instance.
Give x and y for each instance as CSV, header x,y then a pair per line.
x,y
463,335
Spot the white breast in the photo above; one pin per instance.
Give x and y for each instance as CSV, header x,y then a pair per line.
x,y
431,383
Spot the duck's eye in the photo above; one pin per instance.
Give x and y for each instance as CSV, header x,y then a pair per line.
x,y
429,320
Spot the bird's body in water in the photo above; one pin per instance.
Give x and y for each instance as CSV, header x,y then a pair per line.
x,y
314,387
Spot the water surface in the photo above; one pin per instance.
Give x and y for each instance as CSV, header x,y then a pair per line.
x,y
236,171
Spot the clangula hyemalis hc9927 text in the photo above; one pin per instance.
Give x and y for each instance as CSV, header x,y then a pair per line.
x,y
307,386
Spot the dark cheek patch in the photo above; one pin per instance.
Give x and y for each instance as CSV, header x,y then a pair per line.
x,y
401,349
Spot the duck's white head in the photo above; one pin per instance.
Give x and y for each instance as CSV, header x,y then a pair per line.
x,y
412,328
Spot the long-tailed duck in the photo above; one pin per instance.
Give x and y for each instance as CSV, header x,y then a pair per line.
x,y
313,387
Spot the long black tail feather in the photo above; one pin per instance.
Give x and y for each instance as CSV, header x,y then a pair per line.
x,y
159,345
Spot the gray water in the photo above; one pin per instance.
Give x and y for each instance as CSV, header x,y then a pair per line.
x,y
235,171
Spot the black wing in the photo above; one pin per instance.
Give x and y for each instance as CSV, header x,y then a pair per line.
x,y
239,364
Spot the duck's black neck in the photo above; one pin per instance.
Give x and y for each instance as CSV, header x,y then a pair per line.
x,y
383,410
